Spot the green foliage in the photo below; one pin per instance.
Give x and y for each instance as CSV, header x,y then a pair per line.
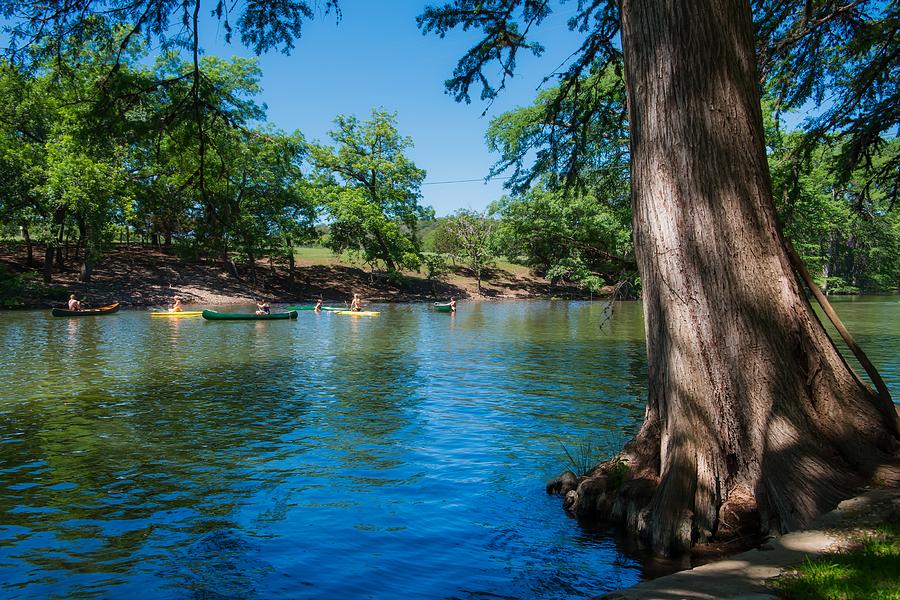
x,y
871,572
372,191
839,58
584,457
186,249
569,217
566,235
848,233
579,142
588,454
436,267
78,157
441,239
470,234
842,60
15,288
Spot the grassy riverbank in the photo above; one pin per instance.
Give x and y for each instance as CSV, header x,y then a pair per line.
x,y
867,570
145,276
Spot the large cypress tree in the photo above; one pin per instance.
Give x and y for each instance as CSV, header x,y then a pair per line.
x,y
753,416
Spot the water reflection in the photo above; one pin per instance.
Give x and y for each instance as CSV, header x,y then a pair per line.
x,y
330,456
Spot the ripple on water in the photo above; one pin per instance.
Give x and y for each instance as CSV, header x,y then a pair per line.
x,y
323,457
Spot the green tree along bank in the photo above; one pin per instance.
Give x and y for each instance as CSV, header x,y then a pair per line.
x,y
372,191
569,212
178,154
112,148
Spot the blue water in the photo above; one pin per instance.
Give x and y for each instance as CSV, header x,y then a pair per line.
x,y
404,454
335,456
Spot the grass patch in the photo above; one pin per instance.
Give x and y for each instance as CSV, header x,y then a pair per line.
x,y
320,255
870,572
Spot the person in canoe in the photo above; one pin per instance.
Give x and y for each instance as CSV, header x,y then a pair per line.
x,y
318,307
74,304
356,303
452,304
263,309
176,305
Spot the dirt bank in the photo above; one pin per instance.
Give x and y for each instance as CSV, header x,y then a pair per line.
x,y
145,276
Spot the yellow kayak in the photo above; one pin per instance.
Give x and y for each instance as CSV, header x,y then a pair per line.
x,y
183,313
358,313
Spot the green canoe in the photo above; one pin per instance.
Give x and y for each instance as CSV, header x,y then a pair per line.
x,y
89,312
327,308
442,307
211,315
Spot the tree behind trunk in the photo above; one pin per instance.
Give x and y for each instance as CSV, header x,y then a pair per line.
x,y
29,246
752,413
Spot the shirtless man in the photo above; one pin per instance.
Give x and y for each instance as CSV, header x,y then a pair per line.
x,y
74,304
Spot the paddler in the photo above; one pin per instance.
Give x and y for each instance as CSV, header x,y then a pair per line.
x,y
176,305
74,304
356,303
263,309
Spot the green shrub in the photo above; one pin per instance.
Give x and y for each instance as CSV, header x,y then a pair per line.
x,y
186,249
436,266
15,287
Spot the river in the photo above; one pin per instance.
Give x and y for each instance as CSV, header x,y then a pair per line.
x,y
333,456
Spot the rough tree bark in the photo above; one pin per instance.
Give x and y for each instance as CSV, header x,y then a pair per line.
x,y
753,416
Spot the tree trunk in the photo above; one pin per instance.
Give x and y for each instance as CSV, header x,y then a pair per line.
x,y
59,218
29,246
292,265
382,244
753,417
87,268
60,257
79,243
87,265
252,258
48,263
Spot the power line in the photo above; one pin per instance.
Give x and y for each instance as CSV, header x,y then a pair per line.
x,y
465,181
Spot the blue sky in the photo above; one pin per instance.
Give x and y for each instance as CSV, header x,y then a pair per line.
x,y
376,57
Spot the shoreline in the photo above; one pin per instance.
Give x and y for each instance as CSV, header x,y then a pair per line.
x,y
752,574
137,276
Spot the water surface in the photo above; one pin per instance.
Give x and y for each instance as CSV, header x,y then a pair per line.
x,y
333,456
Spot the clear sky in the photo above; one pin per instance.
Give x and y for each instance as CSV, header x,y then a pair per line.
x,y
376,57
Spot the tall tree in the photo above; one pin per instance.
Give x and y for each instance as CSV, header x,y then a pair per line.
x,y
568,234
473,236
374,200
752,413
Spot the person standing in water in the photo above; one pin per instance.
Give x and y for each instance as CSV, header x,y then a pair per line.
x,y
452,304
318,307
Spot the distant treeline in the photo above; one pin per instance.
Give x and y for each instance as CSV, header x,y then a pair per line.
x,y
98,142
101,141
